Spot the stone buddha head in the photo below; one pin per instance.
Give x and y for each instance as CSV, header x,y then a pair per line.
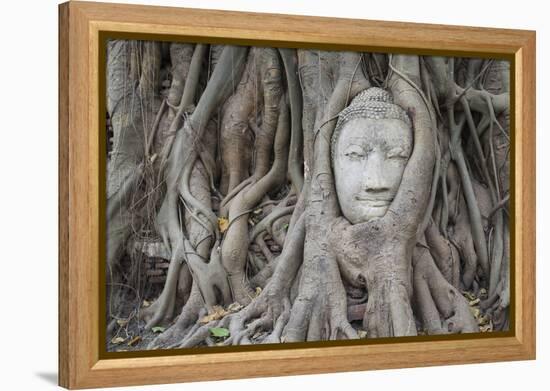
x,y
370,148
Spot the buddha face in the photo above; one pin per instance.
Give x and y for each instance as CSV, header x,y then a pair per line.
x,y
370,157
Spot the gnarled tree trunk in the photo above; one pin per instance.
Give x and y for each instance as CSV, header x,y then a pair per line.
x,y
221,164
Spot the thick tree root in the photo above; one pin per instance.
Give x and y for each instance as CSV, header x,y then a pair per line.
x,y
190,314
319,314
224,154
161,312
442,307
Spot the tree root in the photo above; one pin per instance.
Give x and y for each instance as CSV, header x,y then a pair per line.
x,y
235,241
161,311
251,220
319,315
270,310
442,307
445,255
190,314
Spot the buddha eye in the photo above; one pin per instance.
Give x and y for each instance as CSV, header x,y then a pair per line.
x,y
355,153
397,153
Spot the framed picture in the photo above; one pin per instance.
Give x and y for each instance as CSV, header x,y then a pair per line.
x,y
278,195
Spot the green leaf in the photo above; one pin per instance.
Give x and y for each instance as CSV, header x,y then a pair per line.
x,y
157,329
219,332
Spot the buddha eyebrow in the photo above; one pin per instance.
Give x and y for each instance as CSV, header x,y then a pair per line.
x,y
353,146
357,140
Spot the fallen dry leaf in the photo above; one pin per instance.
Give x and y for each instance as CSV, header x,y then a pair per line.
x,y
122,322
217,313
234,307
470,296
223,224
474,302
487,328
117,340
145,303
483,320
134,341
258,334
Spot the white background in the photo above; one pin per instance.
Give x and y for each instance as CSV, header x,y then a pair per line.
x,y
28,214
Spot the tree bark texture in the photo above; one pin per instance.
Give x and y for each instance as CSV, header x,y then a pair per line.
x,y
220,163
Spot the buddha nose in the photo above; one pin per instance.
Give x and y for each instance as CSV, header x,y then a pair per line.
x,y
374,179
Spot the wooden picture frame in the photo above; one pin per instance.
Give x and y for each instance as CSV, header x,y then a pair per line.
x,y
81,25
